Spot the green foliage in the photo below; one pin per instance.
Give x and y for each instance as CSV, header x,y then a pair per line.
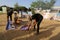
x,y
21,8
32,9
43,4
16,6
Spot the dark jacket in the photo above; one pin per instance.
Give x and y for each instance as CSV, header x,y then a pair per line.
x,y
37,17
10,12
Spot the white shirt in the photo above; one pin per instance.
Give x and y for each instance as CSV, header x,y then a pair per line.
x,y
15,12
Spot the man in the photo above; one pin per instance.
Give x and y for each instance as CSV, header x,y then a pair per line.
x,y
15,18
9,18
9,14
37,18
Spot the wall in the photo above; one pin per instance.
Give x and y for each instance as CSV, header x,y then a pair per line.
x,y
4,10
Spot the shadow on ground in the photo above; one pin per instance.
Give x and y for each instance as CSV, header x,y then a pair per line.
x,y
43,34
10,34
57,37
46,27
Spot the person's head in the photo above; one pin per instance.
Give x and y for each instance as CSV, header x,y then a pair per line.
x,y
15,12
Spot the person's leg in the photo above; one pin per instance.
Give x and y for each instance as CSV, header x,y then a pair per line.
x,y
34,28
11,18
34,24
15,20
7,18
15,23
38,24
7,23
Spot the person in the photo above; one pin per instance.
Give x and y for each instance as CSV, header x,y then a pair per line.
x,y
9,14
29,17
15,18
36,18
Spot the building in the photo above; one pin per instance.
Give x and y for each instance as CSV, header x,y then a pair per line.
x,y
3,9
51,13
57,8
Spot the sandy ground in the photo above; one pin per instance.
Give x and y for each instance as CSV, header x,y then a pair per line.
x,y
49,30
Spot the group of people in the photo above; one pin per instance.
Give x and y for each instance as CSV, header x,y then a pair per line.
x,y
10,12
33,19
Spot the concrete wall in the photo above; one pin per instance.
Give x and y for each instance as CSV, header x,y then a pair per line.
x,y
4,10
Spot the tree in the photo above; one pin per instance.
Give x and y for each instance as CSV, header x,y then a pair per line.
x,y
16,6
32,9
49,4
20,8
43,4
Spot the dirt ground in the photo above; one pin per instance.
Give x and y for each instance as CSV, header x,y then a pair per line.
x,y
49,30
